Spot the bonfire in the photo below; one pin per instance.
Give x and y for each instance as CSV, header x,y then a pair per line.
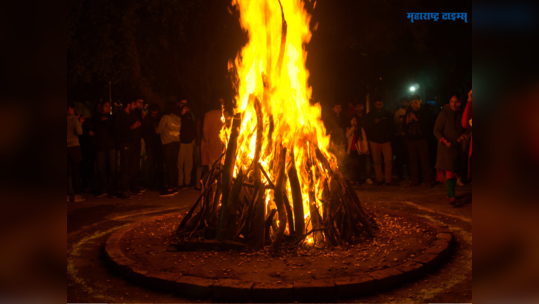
x,y
277,183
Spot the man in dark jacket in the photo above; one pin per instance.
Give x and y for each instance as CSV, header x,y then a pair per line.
x,y
154,149
379,128
416,128
106,151
124,126
187,137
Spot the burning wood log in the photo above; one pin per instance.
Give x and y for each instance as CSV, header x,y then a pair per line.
x,y
235,208
279,187
315,216
216,200
297,199
230,219
189,214
259,220
266,176
268,223
290,217
228,170
260,209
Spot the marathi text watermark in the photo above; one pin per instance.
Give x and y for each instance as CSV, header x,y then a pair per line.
x,y
436,16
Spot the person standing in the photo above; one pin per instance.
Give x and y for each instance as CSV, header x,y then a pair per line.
x,y
212,147
450,133
187,137
365,157
379,127
106,151
335,127
88,150
169,129
154,148
125,125
338,123
416,127
74,155
354,139
399,147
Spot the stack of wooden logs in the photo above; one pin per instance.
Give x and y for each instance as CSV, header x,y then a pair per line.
x,y
235,209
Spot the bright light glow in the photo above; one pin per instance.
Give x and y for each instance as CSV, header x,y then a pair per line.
x,y
412,89
280,83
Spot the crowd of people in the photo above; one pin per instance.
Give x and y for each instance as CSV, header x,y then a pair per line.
x,y
172,146
403,141
175,147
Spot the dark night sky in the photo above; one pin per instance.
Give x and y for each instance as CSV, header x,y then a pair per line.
x,y
356,43
440,59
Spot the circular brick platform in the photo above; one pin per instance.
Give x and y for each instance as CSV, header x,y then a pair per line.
x,y
300,290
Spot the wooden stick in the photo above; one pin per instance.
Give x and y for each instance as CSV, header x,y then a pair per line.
x,y
228,170
230,222
290,217
208,202
297,198
279,201
259,219
302,238
251,209
216,200
266,175
189,214
244,213
269,220
315,214
260,208
363,216
340,181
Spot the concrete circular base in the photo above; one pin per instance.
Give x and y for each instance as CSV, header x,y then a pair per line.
x,y
300,290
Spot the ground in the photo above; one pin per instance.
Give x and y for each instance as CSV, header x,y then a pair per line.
x,y
90,223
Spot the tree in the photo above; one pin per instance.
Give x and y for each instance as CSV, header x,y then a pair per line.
x,y
153,49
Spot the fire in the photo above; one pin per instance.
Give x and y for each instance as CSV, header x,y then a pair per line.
x,y
278,78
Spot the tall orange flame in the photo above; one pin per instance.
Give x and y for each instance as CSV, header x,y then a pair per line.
x,y
282,89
